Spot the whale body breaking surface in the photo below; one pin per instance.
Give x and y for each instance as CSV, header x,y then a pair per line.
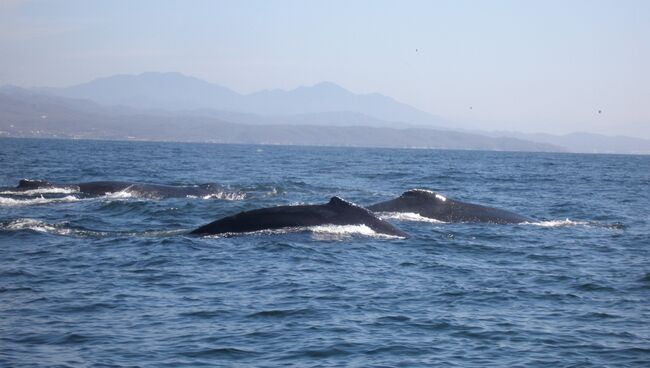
x,y
432,205
336,212
420,203
99,188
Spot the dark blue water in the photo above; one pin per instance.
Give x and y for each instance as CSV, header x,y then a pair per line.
x,y
114,281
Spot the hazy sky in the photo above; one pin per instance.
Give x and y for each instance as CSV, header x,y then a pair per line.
x,y
521,65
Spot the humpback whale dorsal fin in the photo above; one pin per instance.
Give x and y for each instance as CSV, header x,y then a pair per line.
x,y
338,201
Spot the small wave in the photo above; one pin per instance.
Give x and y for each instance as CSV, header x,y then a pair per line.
x,y
342,230
43,227
36,225
326,232
63,229
616,226
320,232
557,223
570,223
394,318
122,194
218,353
408,216
11,202
33,192
205,314
229,196
280,313
272,192
593,286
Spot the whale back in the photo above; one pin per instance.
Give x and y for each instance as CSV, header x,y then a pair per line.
x,y
149,190
336,212
433,205
28,184
421,201
103,187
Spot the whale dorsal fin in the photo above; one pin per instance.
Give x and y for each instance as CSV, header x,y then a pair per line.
x,y
338,201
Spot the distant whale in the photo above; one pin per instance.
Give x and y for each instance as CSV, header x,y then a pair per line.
x,y
336,212
98,188
435,206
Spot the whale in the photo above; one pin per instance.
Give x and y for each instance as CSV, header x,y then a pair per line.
x,y
99,188
335,212
435,206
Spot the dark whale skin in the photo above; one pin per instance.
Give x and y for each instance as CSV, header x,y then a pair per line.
x,y
336,212
432,205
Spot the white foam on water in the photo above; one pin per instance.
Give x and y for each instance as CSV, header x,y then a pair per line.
x,y
556,223
38,191
228,196
342,230
320,232
43,227
37,225
328,232
122,194
408,216
12,202
258,232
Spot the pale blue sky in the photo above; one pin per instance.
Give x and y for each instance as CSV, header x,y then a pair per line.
x,y
522,65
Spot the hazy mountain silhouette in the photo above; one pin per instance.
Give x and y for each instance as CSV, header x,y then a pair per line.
x,y
329,97
28,114
176,92
166,91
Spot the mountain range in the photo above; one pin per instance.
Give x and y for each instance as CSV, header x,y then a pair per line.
x,y
25,113
177,92
175,107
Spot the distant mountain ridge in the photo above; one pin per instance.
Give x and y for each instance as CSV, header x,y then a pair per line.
x,y
177,92
33,115
168,106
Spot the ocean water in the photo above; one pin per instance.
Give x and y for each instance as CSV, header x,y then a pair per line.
x,y
115,281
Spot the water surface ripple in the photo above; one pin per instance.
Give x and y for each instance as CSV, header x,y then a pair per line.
x,y
115,281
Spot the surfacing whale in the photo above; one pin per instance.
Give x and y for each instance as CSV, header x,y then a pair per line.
x,y
336,212
99,188
435,206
